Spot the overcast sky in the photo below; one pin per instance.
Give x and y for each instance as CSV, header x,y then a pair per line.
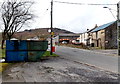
x,y
75,18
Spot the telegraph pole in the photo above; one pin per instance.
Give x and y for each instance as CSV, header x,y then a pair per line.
x,y
118,26
51,26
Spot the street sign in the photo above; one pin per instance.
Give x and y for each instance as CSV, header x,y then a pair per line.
x,y
49,30
52,33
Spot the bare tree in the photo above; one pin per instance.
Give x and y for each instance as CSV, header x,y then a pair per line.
x,y
15,14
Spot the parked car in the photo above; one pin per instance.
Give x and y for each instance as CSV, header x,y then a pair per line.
x,y
64,42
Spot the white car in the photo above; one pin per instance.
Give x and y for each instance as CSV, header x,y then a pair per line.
x,y
64,42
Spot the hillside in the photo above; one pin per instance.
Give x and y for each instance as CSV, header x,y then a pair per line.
x,y
41,33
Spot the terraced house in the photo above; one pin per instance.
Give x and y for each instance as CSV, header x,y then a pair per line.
x,y
104,36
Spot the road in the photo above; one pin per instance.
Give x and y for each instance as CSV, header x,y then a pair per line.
x,y
56,69
68,67
103,61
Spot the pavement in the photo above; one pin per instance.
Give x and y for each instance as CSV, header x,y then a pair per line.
x,y
113,52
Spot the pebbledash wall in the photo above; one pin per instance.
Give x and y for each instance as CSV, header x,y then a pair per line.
x,y
98,38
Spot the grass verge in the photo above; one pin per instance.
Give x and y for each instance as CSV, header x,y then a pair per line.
x,y
82,46
47,54
2,53
3,65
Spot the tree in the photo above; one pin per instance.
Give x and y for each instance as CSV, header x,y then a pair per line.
x,y
15,14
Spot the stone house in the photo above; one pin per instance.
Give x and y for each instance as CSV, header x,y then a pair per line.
x,y
105,36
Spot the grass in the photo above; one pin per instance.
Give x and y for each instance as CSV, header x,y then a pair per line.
x,y
97,48
3,66
2,53
82,46
47,54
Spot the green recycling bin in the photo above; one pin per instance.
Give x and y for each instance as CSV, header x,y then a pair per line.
x,y
36,49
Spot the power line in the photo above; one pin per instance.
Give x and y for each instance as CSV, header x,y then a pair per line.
x,y
70,3
45,12
82,3
43,15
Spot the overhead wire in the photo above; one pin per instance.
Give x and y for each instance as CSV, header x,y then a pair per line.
x,y
82,3
69,3
44,13
42,16
89,4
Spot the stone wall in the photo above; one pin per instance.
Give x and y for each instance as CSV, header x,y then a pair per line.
x,y
111,36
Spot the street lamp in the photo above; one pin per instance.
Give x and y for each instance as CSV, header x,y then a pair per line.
x,y
110,11
110,8
118,24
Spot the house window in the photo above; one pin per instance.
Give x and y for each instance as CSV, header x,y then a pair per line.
x,y
102,32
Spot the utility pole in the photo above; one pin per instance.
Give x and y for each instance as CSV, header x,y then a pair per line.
x,y
51,26
118,26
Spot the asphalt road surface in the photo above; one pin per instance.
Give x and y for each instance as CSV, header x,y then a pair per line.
x,y
56,70
103,61
68,67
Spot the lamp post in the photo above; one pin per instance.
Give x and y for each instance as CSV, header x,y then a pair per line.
x,y
110,11
118,24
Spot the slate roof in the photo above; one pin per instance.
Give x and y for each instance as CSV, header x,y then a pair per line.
x,y
103,26
69,34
